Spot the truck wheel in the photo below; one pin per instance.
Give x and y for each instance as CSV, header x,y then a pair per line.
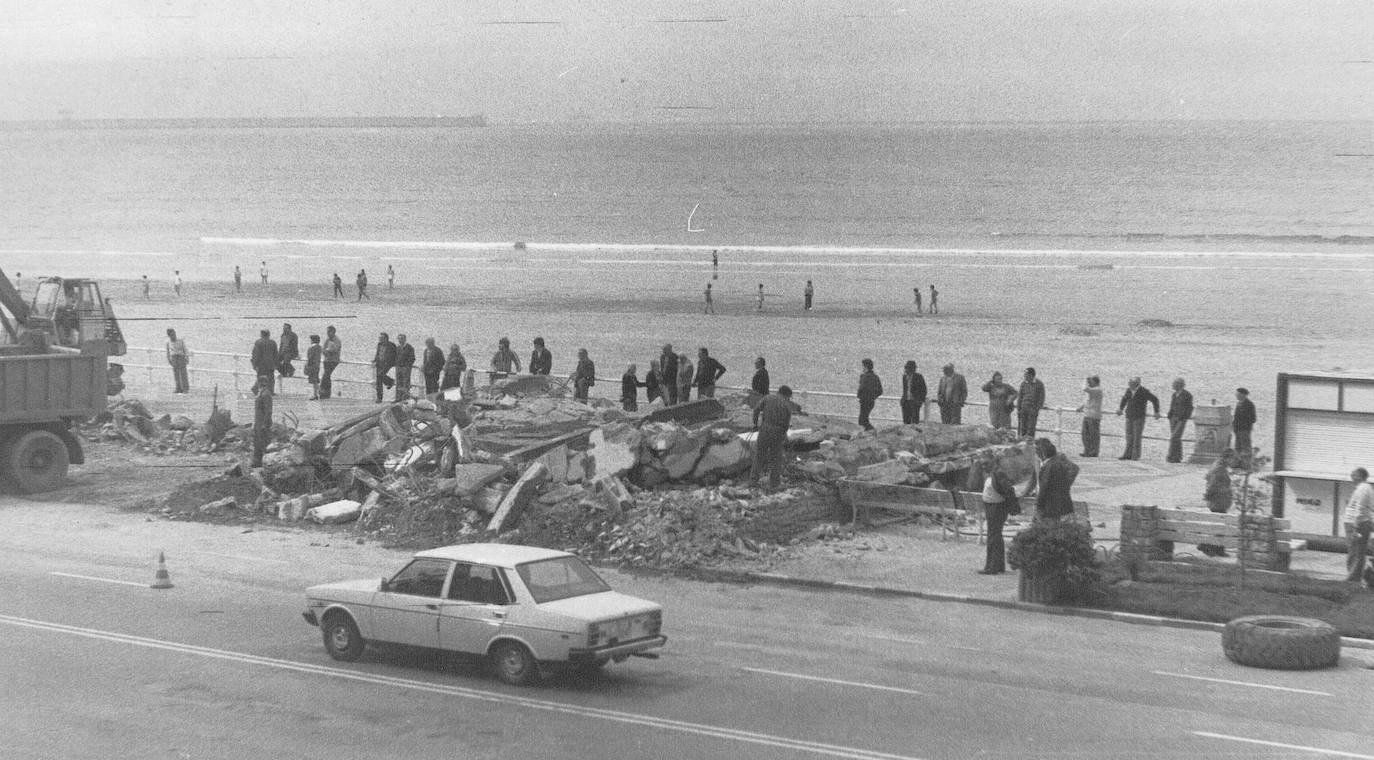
x,y
1281,642
36,461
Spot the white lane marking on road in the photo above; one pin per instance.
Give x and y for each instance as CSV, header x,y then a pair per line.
x,y
1281,745
833,680
667,724
1243,683
102,580
905,640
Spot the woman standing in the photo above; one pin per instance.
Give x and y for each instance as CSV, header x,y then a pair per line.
x,y
652,380
454,367
1001,400
685,373
629,389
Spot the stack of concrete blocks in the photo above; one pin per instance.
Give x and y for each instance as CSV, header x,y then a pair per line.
x,y
1139,535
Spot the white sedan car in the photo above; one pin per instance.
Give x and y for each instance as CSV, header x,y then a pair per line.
x,y
525,608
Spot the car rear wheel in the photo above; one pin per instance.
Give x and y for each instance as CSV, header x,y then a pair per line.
x,y
341,638
514,664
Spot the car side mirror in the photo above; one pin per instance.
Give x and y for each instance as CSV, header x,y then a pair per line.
x,y
385,586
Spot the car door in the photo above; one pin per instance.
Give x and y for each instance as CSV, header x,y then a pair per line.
x,y
478,601
406,610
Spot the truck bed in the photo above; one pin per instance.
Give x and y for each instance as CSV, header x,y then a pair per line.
x,y
43,387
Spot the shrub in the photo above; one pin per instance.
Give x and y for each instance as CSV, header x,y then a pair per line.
x,y
1050,547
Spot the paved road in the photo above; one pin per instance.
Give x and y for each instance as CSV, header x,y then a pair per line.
x,y
94,664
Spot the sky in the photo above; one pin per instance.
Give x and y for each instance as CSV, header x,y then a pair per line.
x,y
753,61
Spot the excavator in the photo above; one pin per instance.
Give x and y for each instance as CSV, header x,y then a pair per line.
x,y
54,373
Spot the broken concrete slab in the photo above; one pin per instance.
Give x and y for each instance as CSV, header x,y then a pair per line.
x,y
689,413
525,385
333,513
722,459
614,450
892,472
488,499
612,494
519,496
470,478
556,459
219,506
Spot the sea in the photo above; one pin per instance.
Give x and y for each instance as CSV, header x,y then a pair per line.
x,y
1266,189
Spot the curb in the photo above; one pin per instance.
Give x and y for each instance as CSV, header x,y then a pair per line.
x,y
778,579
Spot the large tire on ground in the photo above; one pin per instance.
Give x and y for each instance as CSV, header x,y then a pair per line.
x,y
1281,642
35,461
514,664
341,637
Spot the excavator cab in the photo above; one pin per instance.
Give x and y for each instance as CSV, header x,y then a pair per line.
x,y
73,314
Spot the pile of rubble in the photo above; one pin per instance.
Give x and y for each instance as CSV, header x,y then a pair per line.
x,y
130,421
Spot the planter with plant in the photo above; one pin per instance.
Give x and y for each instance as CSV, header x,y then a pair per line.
x,y
1056,560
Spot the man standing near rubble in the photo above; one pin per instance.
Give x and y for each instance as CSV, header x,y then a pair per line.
x,y
178,356
405,364
312,367
760,382
870,388
431,365
951,395
1133,403
913,393
333,351
1180,411
1242,421
455,366
541,360
686,373
772,417
262,416
708,372
264,358
382,362
667,361
584,377
503,360
1029,401
288,350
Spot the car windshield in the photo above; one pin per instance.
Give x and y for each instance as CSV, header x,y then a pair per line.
x,y
560,578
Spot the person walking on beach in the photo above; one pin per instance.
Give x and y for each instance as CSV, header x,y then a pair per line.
x,y
913,393
176,282
264,360
382,361
584,376
916,293
1359,520
772,417
870,388
431,366
262,272
668,361
503,360
288,350
999,501
1133,403
455,366
1091,431
405,365
653,381
760,382
1180,411
685,374
715,259
629,389
313,355
361,282
146,284
238,279
758,299
1242,421
1218,495
338,286
1001,400
1053,500
178,356
541,360
807,294
934,300
710,304
708,372
951,395
1029,401
390,278
332,355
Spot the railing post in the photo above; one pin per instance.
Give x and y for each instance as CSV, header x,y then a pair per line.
x,y
149,363
1059,427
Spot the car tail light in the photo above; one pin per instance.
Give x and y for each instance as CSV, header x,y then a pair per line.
x,y
655,622
593,634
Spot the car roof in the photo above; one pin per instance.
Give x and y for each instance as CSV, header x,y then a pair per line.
x,y
501,555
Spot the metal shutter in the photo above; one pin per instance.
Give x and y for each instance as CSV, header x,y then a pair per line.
x,y
1333,442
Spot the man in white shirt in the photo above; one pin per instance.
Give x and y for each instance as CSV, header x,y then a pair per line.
x,y
1359,519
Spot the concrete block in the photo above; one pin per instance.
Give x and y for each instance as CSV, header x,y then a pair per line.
x,y
333,513
519,496
470,478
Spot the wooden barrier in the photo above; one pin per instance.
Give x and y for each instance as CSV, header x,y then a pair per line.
x,y
1150,533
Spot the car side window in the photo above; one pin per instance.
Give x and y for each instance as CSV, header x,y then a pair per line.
x,y
480,584
422,577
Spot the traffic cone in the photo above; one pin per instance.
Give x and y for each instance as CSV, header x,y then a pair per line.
x,y
161,579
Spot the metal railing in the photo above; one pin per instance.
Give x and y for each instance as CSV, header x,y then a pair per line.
x,y
351,374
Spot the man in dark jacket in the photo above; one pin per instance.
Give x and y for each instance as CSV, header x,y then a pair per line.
x,y
772,417
870,388
332,353
760,383
708,372
667,362
913,394
1133,403
382,362
1242,420
1053,500
584,377
541,360
1029,401
1180,411
431,365
405,363
288,350
264,358
952,393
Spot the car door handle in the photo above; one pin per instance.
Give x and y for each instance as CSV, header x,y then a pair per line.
x,y
498,613
432,606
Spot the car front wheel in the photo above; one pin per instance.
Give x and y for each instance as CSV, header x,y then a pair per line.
x,y
341,638
514,664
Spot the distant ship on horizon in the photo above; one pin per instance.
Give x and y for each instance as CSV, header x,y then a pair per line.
x,y
252,122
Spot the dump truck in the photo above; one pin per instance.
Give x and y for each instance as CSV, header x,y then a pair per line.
x,y
54,373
